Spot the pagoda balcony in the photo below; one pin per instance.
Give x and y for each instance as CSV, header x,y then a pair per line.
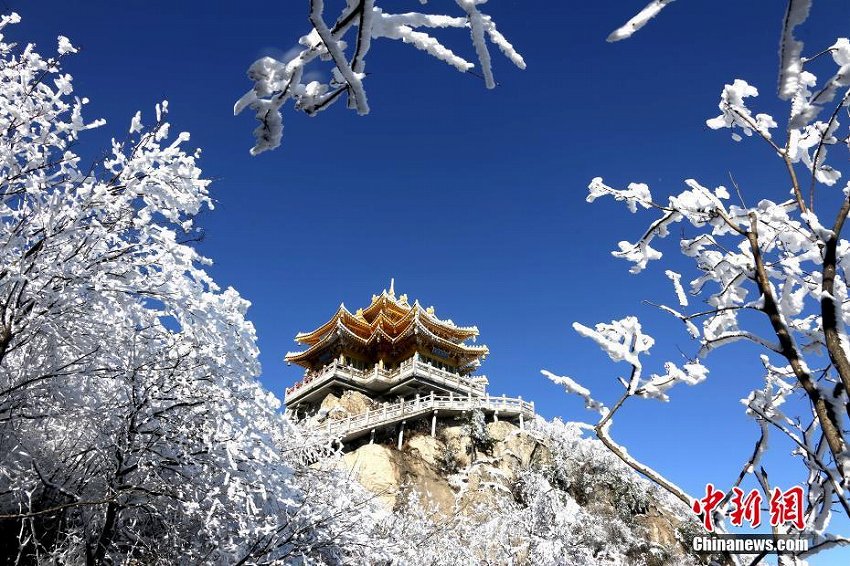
x,y
390,414
412,374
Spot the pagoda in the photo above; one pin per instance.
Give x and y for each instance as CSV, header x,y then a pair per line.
x,y
402,357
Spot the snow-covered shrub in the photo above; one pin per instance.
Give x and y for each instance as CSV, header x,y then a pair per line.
x,y
448,459
476,428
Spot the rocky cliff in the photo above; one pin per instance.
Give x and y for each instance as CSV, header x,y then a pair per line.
x,y
549,494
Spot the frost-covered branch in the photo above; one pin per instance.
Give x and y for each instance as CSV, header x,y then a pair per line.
x,y
624,341
639,20
790,48
278,81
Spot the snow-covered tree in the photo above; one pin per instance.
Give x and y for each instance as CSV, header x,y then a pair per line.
x,y
132,426
770,269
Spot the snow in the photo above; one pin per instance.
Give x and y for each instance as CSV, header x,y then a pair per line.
x,y
65,46
638,20
574,388
623,340
734,112
692,373
420,40
636,194
790,48
676,279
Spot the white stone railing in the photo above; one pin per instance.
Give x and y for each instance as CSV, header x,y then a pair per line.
x,y
355,425
379,376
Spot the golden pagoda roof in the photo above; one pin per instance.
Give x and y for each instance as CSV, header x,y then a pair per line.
x,y
388,319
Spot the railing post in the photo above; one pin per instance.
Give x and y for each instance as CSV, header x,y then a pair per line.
x,y
432,396
401,434
416,403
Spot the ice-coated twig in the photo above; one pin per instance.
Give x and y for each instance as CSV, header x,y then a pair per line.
x,y
638,20
790,48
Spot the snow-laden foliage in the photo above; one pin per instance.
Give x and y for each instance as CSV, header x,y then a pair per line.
x,y
770,269
132,428
361,21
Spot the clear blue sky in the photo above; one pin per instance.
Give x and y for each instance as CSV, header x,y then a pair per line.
x,y
472,199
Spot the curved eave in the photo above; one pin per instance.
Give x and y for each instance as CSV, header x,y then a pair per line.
x,y
474,351
311,338
328,338
459,332
342,314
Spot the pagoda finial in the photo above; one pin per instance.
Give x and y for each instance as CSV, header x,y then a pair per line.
x,y
392,286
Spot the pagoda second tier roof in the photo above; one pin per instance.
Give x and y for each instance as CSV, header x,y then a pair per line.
x,y
393,314
391,320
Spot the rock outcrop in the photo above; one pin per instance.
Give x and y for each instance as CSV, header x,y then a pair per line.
x,y
471,476
349,403
391,475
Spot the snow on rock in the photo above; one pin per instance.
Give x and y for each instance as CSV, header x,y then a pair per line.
x,y
534,496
